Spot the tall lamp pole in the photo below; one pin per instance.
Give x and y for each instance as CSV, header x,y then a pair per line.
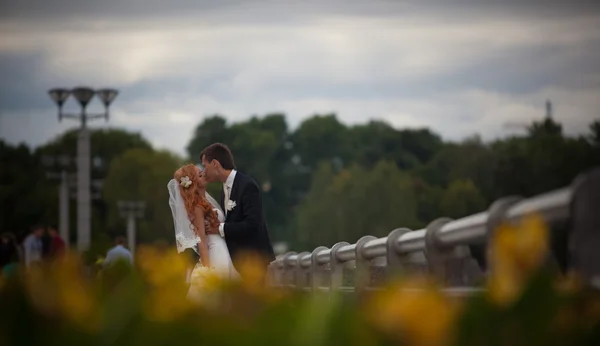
x,y
64,162
83,95
131,210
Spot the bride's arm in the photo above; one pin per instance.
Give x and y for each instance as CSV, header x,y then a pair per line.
x,y
203,244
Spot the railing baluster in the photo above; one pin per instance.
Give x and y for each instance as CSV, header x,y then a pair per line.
x,y
394,259
337,268
288,270
362,272
436,255
496,216
300,271
584,243
317,271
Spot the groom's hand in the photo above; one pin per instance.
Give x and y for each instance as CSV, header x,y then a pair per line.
x,y
212,230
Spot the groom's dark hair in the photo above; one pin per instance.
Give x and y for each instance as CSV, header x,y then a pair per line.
x,y
219,152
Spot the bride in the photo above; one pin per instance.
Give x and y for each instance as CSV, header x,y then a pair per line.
x,y
193,211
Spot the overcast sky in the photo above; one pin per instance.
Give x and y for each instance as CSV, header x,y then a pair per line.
x,y
457,66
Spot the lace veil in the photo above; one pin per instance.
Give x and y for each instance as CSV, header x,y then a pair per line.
x,y
185,237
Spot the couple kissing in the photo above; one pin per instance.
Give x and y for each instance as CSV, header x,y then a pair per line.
x,y
220,232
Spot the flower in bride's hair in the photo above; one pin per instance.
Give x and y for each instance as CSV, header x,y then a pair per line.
x,y
185,182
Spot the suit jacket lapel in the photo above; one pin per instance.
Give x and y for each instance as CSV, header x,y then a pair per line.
x,y
233,194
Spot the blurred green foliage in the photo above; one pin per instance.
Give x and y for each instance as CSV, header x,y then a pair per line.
x,y
383,176
61,304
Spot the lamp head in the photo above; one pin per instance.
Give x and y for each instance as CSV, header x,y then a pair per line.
x,y
107,96
59,95
83,95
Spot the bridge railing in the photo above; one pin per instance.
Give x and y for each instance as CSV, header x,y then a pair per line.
x,y
454,251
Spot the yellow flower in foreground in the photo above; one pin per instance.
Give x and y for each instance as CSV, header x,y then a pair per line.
x,y
165,271
516,253
414,311
64,290
99,261
592,313
76,294
166,305
570,283
252,268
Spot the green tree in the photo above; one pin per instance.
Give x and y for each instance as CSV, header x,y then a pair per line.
x,y
322,138
428,201
311,222
461,199
595,133
543,160
377,140
142,174
213,129
105,144
26,197
355,202
470,159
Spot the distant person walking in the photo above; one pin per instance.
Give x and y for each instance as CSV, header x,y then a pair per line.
x,y
33,247
118,252
57,244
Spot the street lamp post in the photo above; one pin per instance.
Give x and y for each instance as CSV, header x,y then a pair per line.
x,y
64,163
83,95
131,210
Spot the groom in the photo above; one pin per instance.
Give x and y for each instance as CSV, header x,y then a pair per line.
x,y
245,230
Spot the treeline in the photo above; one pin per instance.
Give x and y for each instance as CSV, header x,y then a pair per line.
x,y
322,183
326,182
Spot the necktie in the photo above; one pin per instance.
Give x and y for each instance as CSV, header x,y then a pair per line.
x,y
226,192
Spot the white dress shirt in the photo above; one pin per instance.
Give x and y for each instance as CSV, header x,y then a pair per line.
x,y
116,253
227,186
33,249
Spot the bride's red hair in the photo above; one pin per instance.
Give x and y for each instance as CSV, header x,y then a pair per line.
x,y
193,196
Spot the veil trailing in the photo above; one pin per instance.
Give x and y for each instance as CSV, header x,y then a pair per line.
x,y
185,237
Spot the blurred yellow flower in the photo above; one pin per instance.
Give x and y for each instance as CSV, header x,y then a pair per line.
x,y
570,283
415,311
593,309
516,252
63,289
99,261
252,267
165,305
75,293
165,271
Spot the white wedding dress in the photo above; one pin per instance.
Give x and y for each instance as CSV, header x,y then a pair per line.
x,y
218,253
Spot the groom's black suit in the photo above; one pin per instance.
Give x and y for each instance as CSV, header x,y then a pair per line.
x,y
245,228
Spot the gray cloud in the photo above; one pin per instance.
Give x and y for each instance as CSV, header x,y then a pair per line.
x,y
460,67
222,9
